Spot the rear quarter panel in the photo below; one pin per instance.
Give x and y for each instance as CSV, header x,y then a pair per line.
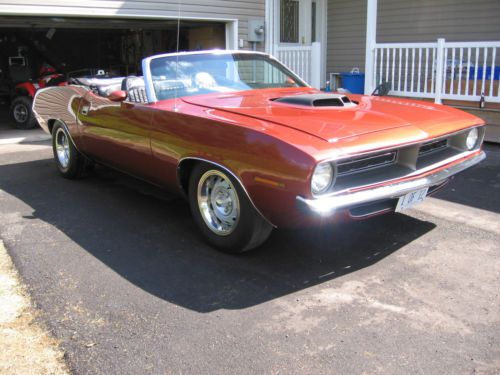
x,y
59,103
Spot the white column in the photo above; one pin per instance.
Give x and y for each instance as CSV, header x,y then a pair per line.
x,y
440,66
269,27
323,4
316,65
371,40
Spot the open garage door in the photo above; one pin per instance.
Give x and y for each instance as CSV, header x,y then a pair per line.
x,y
114,45
43,51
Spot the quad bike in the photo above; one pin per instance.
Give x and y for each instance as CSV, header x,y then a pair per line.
x,y
20,106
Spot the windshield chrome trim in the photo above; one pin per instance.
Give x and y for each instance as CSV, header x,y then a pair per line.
x,y
148,80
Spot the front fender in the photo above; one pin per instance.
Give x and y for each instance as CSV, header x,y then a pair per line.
x,y
271,171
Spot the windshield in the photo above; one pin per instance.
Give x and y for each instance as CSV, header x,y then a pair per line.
x,y
185,75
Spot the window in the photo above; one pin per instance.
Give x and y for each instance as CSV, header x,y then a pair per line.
x,y
289,21
204,73
313,21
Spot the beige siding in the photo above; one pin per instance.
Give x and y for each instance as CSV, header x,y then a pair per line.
x,y
346,28
406,21
427,20
242,10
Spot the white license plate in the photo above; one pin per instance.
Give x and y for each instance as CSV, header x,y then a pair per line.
x,y
411,199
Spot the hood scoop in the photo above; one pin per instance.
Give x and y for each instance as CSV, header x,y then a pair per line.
x,y
317,100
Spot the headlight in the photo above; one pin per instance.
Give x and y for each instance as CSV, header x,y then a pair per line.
x,y
322,178
472,138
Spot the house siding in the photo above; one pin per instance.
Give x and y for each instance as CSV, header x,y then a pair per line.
x,y
241,10
346,29
405,21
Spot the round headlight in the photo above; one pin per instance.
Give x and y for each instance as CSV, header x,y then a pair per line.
x,y
322,178
472,138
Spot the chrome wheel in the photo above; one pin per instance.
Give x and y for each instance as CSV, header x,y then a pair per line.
x,y
20,113
62,148
218,202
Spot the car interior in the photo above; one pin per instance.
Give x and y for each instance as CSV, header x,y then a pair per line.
x,y
133,85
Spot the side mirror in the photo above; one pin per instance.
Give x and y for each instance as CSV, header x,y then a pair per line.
x,y
118,96
382,89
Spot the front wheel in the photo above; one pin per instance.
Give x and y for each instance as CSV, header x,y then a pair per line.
x,y
223,212
21,113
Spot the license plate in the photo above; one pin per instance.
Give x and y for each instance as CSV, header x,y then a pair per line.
x,y
411,199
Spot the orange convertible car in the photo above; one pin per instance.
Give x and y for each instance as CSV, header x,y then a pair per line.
x,y
253,147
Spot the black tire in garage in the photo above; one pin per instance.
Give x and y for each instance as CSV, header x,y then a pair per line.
x,y
21,113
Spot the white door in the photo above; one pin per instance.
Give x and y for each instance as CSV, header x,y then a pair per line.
x,y
300,21
298,24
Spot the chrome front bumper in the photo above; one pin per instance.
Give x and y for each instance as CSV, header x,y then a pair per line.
x,y
329,204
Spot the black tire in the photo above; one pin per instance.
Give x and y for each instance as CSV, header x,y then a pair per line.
x,y
71,163
21,113
247,232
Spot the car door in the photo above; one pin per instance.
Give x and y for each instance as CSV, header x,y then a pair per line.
x,y
117,134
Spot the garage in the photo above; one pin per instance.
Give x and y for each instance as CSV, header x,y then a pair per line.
x,y
34,48
111,44
110,37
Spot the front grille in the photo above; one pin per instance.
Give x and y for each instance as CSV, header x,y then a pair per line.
x,y
433,146
361,164
408,160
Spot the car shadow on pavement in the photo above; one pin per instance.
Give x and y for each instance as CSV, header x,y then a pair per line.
x,y
477,187
148,237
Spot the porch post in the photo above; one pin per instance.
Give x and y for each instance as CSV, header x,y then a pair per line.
x,y
371,40
440,66
316,65
269,27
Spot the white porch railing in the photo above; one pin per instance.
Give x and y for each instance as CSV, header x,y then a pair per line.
x,y
305,61
441,70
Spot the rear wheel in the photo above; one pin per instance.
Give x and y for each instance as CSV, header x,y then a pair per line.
x,y
69,161
223,212
21,113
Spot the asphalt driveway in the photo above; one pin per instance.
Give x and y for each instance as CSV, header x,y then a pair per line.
x,y
125,282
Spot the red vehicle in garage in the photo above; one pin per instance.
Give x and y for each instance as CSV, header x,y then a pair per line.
x,y
253,147
20,107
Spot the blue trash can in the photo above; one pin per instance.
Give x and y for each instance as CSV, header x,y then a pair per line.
x,y
354,81
496,73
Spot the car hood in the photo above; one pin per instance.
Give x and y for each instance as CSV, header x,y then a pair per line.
x,y
370,114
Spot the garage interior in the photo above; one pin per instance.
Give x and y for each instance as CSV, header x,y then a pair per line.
x,y
115,46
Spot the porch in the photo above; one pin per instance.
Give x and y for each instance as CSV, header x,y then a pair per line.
x,y
463,74
462,70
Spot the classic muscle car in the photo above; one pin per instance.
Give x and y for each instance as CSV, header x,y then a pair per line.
x,y
253,147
